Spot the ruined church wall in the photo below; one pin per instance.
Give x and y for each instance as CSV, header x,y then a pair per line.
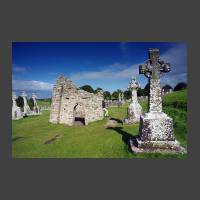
x,y
55,105
69,102
67,109
94,109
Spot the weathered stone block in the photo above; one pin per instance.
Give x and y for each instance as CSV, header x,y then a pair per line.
x,y
156,134
156,126
134,112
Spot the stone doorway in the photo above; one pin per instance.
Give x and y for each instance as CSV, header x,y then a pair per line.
x,y
79,115
79,121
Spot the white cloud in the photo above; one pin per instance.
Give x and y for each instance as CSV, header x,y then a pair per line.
x,y
31,85
177,56
114,71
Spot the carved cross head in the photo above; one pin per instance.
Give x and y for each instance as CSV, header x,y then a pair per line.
x,y
154,66
133,85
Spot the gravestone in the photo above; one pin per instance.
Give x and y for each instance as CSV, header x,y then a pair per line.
x,y
119,97
134,109
36,109
156,128
119,102
27,110
16,111
122,97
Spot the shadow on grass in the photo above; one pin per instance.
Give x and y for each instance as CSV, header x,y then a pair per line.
x,y
52,139
125,136
17,138
117,120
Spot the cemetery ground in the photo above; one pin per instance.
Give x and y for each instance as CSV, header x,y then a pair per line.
x,y
35,137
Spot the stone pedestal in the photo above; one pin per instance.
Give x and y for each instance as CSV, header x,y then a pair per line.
x,y
156,126
134,112
156,135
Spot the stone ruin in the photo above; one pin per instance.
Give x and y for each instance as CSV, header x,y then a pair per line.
x,y
134,109
166,91
70,104
36,109
156,127
16,111
27,111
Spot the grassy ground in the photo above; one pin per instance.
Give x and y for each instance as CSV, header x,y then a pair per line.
x,y
35,137
44,102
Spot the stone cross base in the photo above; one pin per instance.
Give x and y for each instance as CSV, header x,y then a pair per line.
x,y
134,112
138,146
156,135
156,126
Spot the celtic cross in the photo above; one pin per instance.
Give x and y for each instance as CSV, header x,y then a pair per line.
x,y
152,69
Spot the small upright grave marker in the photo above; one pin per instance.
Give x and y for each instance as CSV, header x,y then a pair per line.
x,y
134,109
27,110
16,111
36,109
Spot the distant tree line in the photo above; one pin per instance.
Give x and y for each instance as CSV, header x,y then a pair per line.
x,y
127,93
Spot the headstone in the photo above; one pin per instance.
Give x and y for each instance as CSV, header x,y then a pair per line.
x,y
119,97
27,110
122,96
36,109
16,111
156,128
134,109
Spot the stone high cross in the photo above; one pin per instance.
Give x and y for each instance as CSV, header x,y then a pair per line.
x,y
156,127
134,109
133,87
152,69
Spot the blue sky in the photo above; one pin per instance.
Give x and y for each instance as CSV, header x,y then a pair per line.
x,y
109,65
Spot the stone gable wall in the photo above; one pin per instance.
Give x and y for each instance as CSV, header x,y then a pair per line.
x,y
69,102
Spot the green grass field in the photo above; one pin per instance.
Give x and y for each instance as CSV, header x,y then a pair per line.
x,y
35,137
44,102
